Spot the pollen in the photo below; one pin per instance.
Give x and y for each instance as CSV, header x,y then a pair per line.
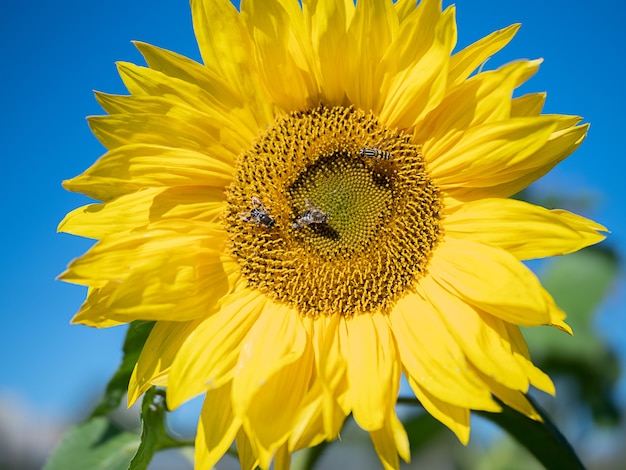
x,y
351,231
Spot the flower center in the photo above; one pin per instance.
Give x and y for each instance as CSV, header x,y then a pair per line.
x,y
331,212
355,200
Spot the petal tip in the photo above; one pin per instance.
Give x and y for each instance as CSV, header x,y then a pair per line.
x,y
561,325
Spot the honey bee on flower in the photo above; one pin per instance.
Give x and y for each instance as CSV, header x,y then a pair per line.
x,y
258,214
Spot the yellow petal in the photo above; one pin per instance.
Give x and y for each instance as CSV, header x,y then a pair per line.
x,y
272,375
390,441
373,371
486,153
224,45
308,430
137,297
217,427
368,36
181,67
283,50
245,451
94,311
521,173
175,289
432,356
138,209
146,81
484,98
226,99
404,8
157,356
329,346
481,337
158,275
116,256
133,167
456,418
128,104
419,82
561,325
276,340
537,377
180,130
525,230
513,398
282,459
189,103
274,408
528,105
327,23
207,358
492,280
466,61
227,49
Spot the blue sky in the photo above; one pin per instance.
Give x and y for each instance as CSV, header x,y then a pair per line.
x,y
55,53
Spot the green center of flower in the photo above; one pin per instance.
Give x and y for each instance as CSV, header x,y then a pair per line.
x,y
333,213
355,201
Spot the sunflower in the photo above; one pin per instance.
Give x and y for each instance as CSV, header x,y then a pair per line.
x,y
318,209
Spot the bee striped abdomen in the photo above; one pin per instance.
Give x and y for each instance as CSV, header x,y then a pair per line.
x,y
375,153
313,215
258,215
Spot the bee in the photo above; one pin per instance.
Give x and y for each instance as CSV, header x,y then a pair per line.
x,y
313,215
375,153
258,215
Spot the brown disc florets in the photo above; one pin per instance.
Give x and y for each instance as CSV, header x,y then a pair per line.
x,y
331,212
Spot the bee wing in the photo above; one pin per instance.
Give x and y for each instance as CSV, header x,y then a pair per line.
x,y
257,204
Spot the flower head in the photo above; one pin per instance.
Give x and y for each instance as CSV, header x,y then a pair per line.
x,y
319,208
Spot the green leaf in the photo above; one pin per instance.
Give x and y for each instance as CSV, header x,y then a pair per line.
x,y
153,433
543,440
117,387
97,444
